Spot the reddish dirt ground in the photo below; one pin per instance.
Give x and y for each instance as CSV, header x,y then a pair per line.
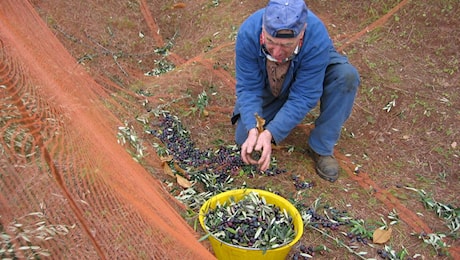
x,y
406,52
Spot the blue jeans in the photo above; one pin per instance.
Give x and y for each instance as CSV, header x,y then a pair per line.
x,y
340,86
339,91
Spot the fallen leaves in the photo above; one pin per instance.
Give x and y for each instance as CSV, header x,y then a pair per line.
x,y
178,6
381,236
181,180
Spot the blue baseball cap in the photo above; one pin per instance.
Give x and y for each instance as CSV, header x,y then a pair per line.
x,y
285,15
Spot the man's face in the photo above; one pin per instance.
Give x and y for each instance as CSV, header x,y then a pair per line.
x,y
280,48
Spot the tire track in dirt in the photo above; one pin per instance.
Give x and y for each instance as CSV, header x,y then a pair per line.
x,y
363,179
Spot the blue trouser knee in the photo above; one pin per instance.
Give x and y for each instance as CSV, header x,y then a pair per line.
x,y
240,133
340,86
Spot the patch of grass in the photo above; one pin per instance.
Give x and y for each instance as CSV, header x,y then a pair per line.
x,y
446,153
424,179
399,164
122,23
370,119
371,64
374,36
372,202
355,196
426,106
398,194
447,6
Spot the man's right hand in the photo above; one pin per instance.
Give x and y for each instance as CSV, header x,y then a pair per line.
x,y
248,146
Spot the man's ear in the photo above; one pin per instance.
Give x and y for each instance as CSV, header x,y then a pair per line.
x,y
262,38
302,35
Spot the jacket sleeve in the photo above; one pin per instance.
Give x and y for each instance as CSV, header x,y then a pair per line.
x,y
305,91
249,80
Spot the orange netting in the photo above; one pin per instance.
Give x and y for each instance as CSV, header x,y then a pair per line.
x,y
62,170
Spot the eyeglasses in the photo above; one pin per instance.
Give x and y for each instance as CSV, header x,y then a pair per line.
x,y
287,45
282,41
284,44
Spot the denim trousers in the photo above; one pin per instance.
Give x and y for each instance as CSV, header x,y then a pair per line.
x,y
340,86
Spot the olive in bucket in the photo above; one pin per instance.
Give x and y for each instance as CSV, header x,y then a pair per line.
x,y
250,223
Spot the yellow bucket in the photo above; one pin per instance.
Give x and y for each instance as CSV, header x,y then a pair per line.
x,y
226,251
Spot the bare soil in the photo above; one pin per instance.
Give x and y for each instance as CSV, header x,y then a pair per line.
x,y
404,130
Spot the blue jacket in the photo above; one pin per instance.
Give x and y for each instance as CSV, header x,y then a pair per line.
x,y
303,83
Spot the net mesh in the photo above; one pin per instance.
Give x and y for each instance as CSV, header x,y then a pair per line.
x,y
67,188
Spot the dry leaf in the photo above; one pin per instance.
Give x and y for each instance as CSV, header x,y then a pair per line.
x,y
381,236
166,158
180,170
278,147
260,123
167,169
183,182
178,6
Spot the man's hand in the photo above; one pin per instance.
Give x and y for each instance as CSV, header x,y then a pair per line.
x,y
257,142
264,144
248,146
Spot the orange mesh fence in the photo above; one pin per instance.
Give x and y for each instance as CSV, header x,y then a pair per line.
x,y
67,188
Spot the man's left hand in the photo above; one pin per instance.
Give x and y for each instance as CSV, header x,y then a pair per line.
x,y
264,145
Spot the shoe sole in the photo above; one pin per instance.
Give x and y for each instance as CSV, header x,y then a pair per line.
x,y
326,177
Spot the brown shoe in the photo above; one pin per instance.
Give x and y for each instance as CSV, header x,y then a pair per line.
x,y
327,166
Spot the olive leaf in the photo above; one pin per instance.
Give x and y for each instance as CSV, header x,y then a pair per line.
x,y
381,236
